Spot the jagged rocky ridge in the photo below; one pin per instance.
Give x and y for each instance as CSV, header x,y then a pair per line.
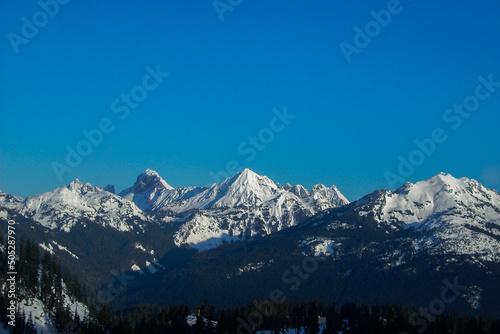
x,y
458,214
243,206
77,203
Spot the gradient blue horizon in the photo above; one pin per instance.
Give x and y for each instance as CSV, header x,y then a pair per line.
x,y
353,120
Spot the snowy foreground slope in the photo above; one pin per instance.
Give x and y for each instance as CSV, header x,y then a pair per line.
x,y
42,317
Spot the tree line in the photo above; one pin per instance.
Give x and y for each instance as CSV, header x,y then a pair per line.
x,y
280,318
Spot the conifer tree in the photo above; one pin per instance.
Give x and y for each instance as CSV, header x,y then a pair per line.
x,y
330,320
311,320
30,326
199,326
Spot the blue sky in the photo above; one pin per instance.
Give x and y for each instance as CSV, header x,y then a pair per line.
x,y
353,121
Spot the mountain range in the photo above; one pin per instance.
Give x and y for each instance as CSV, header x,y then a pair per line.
x,y
235,240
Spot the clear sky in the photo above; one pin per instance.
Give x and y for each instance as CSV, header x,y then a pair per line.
x,y
356,102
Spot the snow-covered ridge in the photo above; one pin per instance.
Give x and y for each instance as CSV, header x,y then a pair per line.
x,y
246,188
10,202
64,207
454,215
440,195
246,205
241,206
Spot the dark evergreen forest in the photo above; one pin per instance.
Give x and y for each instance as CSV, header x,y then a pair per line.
x,y
40,276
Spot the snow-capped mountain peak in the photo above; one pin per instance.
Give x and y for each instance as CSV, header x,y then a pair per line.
x,y
150,178
444,191
82,188
438,195
63,207
148,187
75,185
325,197
249,179
246,187
249,204
299,191
243,205
462,215
436,183
446,215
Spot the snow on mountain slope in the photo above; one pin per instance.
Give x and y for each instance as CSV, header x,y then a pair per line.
x,y
319,246
63,207
10,202
247,205
151,193
43,317
453,215
146,189
50,246
440,195
245,188
242,206
324,197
